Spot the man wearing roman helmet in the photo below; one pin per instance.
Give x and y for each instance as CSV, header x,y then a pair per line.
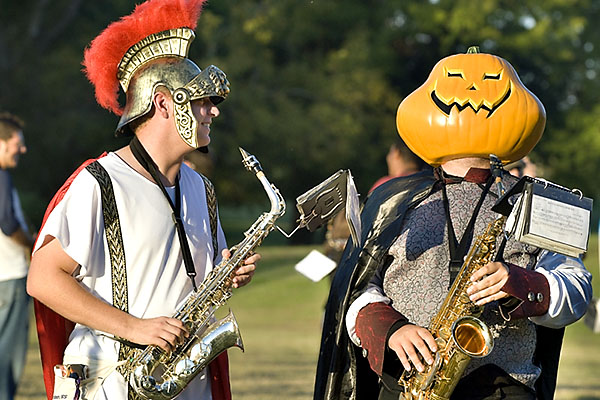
x,y
130,234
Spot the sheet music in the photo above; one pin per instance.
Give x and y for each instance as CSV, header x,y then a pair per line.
x,y
559,221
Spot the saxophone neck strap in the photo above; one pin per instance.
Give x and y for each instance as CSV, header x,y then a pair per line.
x,y
142,156
458,250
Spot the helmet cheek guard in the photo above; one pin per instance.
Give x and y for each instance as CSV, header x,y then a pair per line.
x,y
185,122
210,83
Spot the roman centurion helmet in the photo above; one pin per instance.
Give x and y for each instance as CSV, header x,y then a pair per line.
x,y
146,50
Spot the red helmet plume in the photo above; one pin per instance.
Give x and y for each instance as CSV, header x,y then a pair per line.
x,y
102,57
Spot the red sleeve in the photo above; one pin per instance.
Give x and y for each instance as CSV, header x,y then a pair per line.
x,y
530,291
373,324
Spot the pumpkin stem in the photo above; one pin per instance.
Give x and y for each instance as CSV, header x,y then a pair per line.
x,y
473,50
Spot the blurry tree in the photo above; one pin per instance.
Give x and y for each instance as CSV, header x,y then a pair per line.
x,y
315,83
308,91
41,48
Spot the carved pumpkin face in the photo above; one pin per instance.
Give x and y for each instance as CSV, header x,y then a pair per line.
x,y
472,105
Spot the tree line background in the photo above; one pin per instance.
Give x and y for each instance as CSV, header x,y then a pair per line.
x,y
315,83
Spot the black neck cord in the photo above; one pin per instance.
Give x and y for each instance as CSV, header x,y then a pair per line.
x,y
459,250
142,156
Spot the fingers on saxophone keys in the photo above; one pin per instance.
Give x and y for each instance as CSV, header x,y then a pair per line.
x,y
423,355
252,258
176,332
167,342
164,345
405,362
226,253
242,279
415,359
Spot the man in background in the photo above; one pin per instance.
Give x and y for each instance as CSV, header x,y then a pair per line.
x,y
15,246
401,161
521,168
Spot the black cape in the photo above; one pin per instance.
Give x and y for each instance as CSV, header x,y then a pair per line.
x,y
342,372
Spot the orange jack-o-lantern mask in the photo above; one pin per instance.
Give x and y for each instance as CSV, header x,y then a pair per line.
x,y
472,105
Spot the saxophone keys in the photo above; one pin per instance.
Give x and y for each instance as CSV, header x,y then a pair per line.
x,y
169,389
200,351
148,383
185,367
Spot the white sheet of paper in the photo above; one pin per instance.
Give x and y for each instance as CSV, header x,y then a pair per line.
x,y
353,210
558,221
315,266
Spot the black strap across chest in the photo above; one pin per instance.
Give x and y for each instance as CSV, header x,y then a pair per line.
x,y
148,164
458,250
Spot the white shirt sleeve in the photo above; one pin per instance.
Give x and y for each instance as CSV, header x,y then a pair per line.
x,y
570,289
77,222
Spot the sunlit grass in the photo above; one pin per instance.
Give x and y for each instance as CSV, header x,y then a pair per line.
x,y
579,369
280,315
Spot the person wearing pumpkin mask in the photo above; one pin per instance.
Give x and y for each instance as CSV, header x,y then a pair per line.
x,y
416,233
121,281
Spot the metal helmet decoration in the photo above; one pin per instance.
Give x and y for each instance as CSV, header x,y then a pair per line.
x,y
146,50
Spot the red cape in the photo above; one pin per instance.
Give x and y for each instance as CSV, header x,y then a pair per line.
x,y
54,330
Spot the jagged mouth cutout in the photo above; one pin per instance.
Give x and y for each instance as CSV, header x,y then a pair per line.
x,y
446,108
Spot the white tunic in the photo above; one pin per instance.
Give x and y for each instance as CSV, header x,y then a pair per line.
x,y
156,277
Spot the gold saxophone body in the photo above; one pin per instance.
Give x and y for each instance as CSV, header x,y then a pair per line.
x,y
459,333
156,374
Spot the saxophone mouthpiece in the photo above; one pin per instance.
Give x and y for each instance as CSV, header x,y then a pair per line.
x,y
497,169
250,162
244,153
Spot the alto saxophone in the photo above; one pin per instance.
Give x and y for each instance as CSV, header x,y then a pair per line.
x,y
459,334
156,374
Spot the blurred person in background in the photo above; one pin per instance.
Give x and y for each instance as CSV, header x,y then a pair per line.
x,y
15,246
521,168
401,161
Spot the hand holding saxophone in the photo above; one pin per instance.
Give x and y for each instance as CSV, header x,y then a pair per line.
x,y
243,274
163,332
488,282
414,344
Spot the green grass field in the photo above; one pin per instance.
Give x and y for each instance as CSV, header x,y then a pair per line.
x,y
280,316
